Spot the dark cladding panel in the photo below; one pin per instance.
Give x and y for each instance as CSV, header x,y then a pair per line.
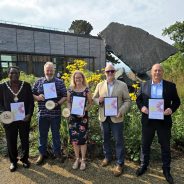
x,y
71,45
42,44
57,43
83,46
95,47
102,58
8,39
25,41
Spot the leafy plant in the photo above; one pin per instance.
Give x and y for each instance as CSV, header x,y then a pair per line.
x,y
176,33
132,132
178,127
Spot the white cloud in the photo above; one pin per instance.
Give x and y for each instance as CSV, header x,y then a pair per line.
x,y
152,16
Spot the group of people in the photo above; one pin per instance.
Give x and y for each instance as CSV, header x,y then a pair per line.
x,y
110,91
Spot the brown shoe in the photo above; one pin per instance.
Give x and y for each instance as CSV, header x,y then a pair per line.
x,y
40,160
105,162
118,170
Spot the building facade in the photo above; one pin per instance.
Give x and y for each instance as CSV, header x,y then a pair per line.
x,y
29,48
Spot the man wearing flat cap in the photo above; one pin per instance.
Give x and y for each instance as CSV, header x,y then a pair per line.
x,y
112,95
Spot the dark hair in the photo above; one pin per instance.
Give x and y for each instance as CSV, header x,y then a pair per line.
x,y
15,67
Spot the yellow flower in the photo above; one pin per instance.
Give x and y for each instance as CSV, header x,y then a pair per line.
x,y
78,64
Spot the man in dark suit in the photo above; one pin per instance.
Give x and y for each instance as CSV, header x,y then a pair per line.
x,y
157,88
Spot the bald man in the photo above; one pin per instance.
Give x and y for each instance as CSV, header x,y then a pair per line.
x,y
163,91
107,89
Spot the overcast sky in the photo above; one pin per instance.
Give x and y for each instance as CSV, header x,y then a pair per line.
x,y
151,15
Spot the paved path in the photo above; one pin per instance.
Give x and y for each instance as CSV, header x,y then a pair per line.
x,y
56,173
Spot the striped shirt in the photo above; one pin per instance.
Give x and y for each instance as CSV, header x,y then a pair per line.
x,y
60,90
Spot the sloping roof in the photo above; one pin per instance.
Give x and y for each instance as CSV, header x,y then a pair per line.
x,y
136,47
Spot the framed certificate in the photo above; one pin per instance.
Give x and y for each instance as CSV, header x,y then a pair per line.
x,y
110,106
49,90
78,105
18,110
156,109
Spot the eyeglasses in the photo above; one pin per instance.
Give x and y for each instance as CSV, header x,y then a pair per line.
x,y
78,77
110,71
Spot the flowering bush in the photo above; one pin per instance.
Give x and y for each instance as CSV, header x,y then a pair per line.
x,y
136,88
92,78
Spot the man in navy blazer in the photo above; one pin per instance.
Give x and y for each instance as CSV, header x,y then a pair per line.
x,y
157,88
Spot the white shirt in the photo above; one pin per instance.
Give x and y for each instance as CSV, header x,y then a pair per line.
x,y
110,88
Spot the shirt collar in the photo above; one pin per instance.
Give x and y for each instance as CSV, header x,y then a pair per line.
x,y
159,84
111,83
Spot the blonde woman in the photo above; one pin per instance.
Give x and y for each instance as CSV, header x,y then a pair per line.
x,y
78,125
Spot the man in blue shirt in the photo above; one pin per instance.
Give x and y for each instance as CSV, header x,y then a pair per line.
x,y
165,92
49,117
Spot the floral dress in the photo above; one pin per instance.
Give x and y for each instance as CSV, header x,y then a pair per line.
x,y
78,126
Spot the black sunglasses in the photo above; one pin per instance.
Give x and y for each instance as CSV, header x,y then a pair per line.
x,y
110,71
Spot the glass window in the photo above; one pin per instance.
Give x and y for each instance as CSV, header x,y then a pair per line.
x,y
4,64
8,57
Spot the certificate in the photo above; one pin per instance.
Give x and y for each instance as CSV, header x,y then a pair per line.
x,y
78,105
110,106
49,90
18,111
156,109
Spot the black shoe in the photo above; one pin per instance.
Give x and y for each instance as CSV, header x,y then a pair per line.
x,y
168,177
141,170
59,158
13,167
26,164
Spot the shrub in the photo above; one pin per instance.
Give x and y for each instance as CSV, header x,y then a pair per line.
x,y
132,132
178,127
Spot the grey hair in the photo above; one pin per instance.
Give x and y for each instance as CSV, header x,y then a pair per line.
x,y
48,64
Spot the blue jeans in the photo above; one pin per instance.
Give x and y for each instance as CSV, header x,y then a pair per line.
x,y
44,124
117,131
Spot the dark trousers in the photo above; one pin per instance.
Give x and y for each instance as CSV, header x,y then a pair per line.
x,y
163,130
12,130
108,127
